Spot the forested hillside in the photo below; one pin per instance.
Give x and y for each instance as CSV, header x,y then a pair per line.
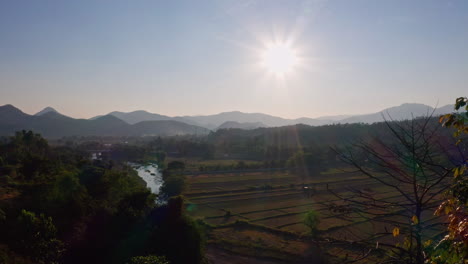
x,y
59,206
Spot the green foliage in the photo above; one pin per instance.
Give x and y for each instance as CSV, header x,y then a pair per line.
x,y
311,160
123,152
27,153
447,252
311,220
173,185
459,121
94,204
134,205
453,249
177,236
149,260
37,238
66,192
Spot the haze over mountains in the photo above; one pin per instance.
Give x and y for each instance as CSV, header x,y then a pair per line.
x,y
404,111
246,125
52,124
46,110
238,119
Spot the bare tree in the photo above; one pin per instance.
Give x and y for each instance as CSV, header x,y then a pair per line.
x,y
408,166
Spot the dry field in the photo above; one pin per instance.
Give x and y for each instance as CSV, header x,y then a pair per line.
x,y
273,205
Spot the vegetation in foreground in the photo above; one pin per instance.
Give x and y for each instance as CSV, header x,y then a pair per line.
x,y
289,198
59,206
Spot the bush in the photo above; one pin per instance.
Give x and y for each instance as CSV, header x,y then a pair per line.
x,y
176,235
173,185
37,238
311,220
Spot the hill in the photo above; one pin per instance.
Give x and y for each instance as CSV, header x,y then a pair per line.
x,y
46,110
402,112
238,125
138,116
166,128
224,119
52,124
214,121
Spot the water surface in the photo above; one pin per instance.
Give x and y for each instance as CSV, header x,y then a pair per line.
x,y
150,174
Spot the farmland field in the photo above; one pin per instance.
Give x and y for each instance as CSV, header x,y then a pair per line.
x,y
261,213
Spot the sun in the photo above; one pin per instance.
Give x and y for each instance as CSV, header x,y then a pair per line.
x,y
279,59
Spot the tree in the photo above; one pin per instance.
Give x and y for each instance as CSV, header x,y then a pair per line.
x,y
409,162
176,235
311,220
28,150
37,238
173,185
101,210
454,246
309,161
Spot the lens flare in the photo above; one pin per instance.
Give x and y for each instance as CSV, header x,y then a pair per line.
x,y
279,59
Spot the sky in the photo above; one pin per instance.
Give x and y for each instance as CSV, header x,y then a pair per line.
x,y
87,57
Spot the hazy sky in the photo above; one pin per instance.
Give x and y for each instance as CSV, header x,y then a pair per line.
x,y
202,57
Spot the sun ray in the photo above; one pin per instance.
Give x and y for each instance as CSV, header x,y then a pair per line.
x,y
279,58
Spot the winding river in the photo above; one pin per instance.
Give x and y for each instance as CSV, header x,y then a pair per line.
x,y
150,174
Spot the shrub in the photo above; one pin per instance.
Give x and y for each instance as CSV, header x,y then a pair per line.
x,y
37,238
311,220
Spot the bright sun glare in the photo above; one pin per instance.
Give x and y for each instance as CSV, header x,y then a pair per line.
x,y
279,59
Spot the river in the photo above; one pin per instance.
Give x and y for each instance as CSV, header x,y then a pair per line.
x,y
150,174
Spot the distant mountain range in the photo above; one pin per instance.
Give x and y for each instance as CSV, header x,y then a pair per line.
x,y
217,121
53,124
402,112
246,125
238,119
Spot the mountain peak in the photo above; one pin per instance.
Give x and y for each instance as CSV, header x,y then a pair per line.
x,y
137,116
8,108
409,104
10,114
46,110
140,112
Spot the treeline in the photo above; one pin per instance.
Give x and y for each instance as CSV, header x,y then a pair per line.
x,y
59,206
262,148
